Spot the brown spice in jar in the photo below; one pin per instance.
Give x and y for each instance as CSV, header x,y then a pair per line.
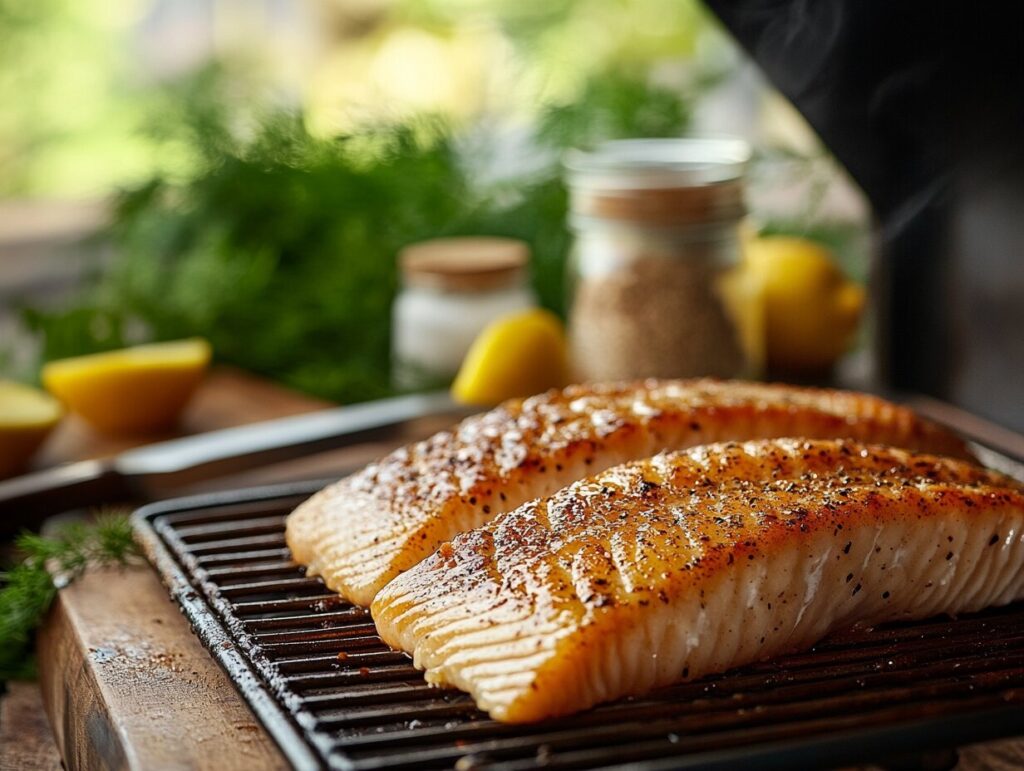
x,y
654,317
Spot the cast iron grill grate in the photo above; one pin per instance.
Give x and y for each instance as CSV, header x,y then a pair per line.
x,y
333,695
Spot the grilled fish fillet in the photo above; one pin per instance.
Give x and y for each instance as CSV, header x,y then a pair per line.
x,y
695,562
360,533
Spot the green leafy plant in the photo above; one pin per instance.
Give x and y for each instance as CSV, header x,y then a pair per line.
x,y
617,104
280,247
28,588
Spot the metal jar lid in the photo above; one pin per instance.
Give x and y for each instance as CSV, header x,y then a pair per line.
x,y
665,182
465,264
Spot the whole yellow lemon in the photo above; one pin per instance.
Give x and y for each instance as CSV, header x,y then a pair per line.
x,y
811,309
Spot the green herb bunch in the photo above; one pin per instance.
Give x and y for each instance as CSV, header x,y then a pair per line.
x,y
45,564
279,246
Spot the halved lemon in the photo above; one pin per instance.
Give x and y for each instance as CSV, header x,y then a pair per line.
x,y
132,391
516,355
27,415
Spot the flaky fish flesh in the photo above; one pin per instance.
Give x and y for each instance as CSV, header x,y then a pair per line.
x,y
695,562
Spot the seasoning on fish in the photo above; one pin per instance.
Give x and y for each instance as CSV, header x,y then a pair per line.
x,y
695,562
361,532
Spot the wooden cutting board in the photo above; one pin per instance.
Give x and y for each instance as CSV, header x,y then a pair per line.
x,y
124,681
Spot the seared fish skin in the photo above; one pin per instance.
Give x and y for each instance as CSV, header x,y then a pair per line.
x,y
694,562
361,532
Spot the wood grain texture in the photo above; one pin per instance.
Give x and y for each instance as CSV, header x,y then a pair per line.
x,y
128,686
26,741
124,681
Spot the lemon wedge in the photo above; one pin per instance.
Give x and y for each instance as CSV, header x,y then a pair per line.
x,y
133,391
811,308
516,355
27,415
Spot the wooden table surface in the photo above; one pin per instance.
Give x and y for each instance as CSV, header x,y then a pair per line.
x,y
124,681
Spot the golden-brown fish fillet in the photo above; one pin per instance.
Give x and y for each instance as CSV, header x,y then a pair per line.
x,y
695,562
363,531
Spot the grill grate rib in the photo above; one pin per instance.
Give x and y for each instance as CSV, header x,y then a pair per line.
x,y
340,698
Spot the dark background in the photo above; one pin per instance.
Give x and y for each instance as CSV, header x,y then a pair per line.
x,y
923,102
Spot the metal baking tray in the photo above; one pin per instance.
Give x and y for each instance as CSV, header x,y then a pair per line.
x,y
333,695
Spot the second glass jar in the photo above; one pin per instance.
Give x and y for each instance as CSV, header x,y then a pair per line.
x,y
655,286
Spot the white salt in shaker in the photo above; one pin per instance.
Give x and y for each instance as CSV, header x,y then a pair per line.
x,y
451,289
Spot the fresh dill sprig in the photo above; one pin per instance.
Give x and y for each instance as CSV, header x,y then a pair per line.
x,y
44,564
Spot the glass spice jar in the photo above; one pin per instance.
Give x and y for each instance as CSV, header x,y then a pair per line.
x,y
654,286
451,288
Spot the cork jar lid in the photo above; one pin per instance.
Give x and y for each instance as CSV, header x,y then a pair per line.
x,y
465,264
660,181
